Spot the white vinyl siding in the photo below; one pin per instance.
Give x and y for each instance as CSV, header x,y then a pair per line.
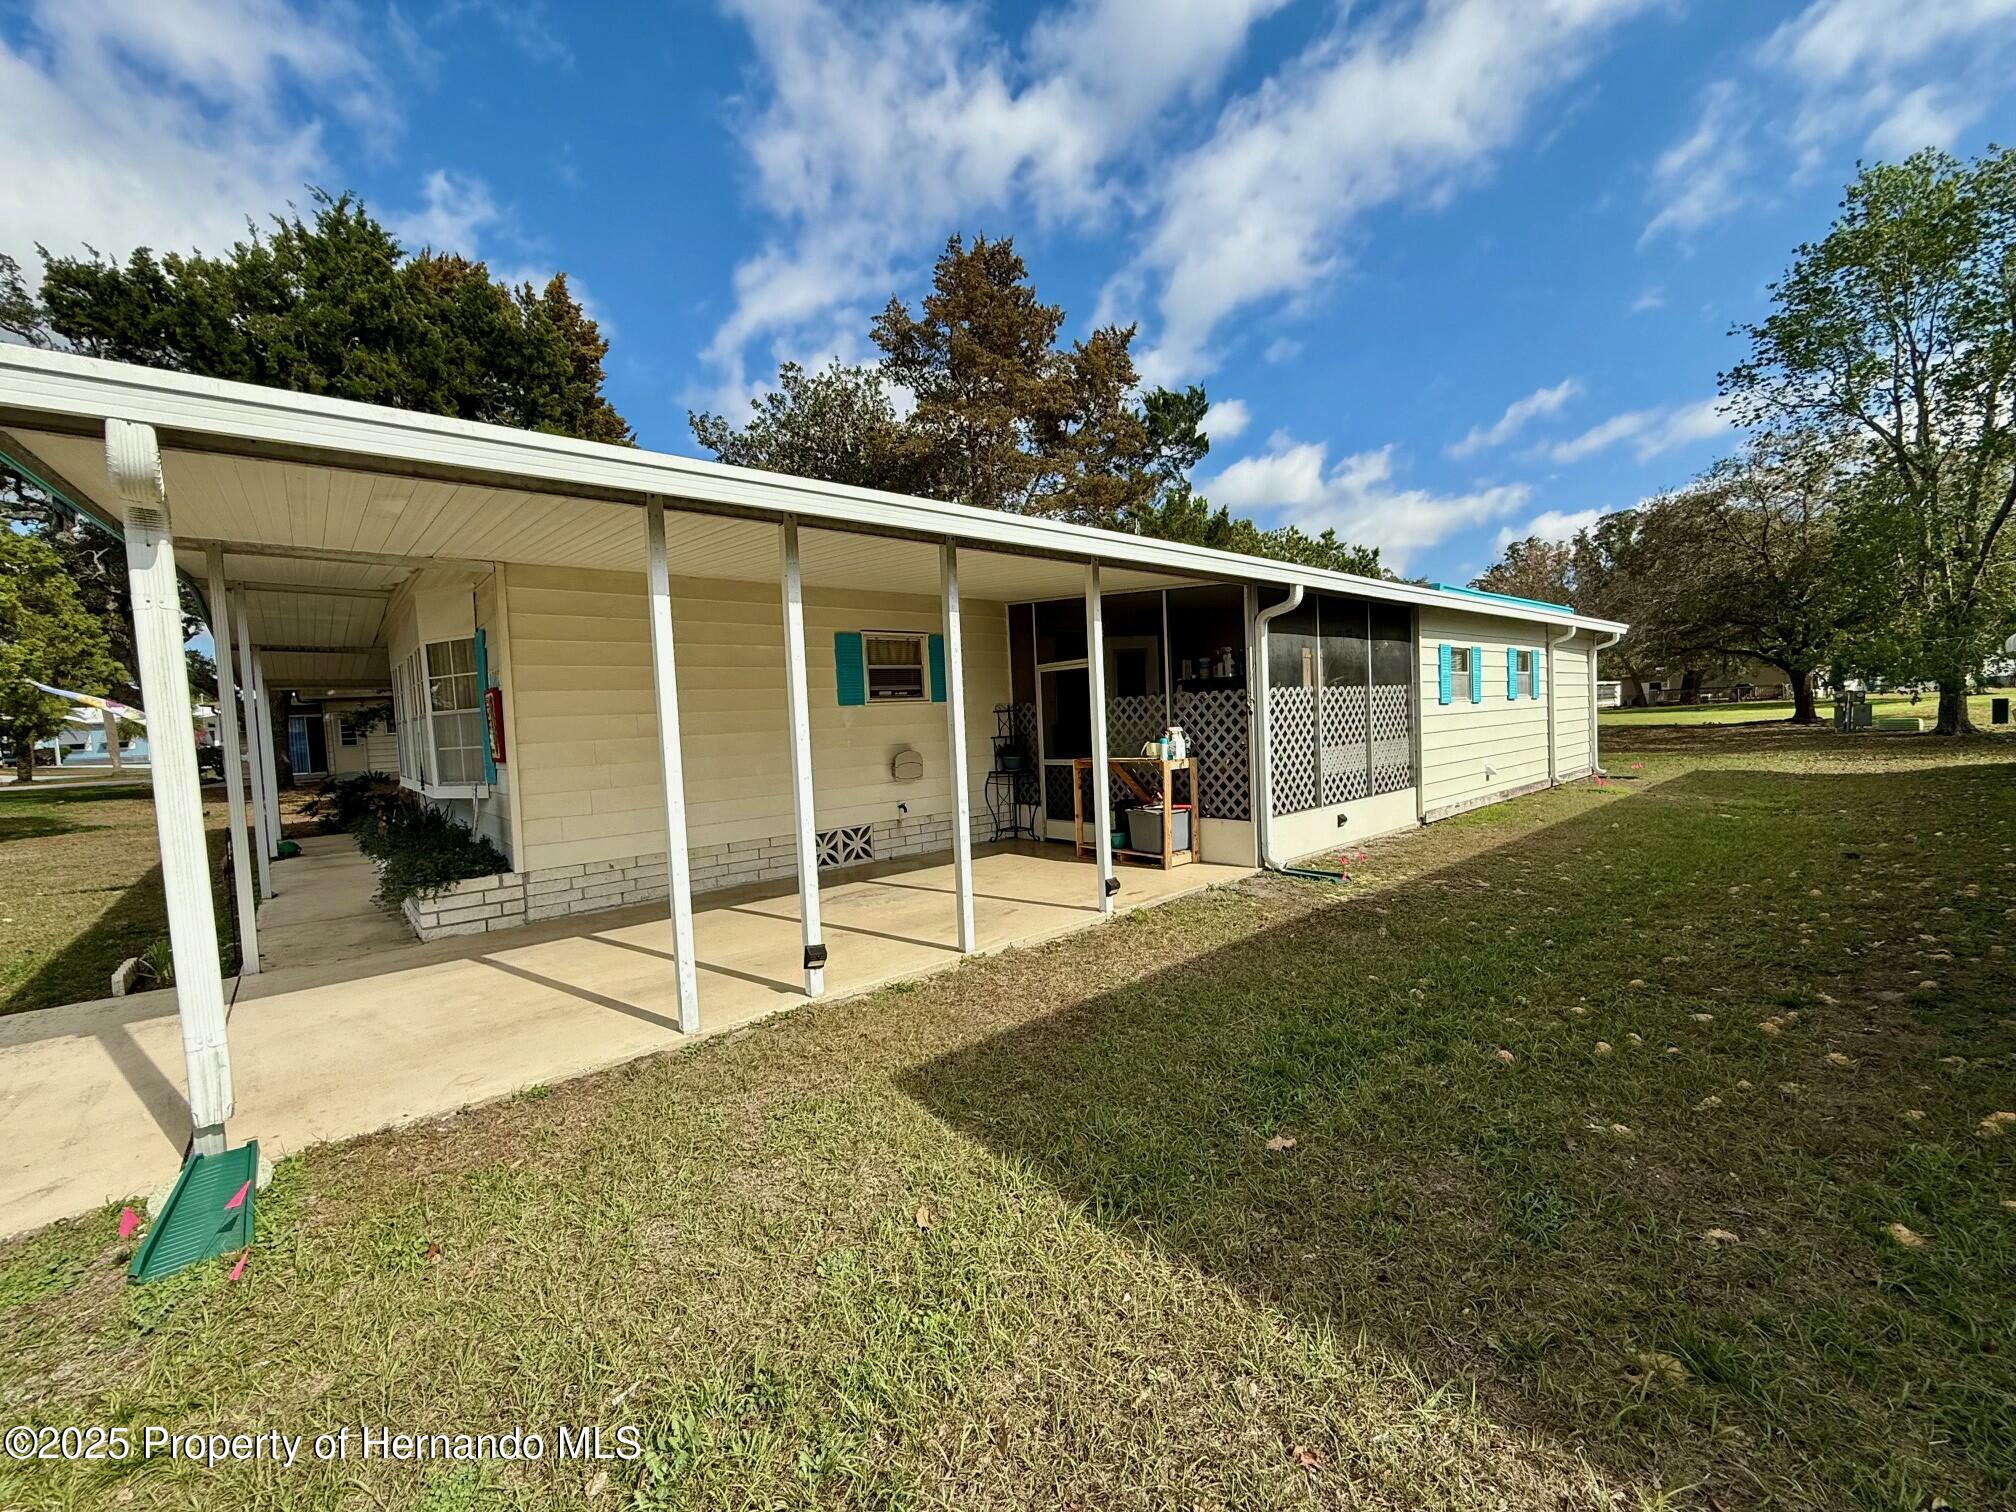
x,y
1473,752
1571,705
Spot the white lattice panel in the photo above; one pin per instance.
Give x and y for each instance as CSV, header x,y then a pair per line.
x,y
1293,712
1214,725
1392,737
1346,729
1132,721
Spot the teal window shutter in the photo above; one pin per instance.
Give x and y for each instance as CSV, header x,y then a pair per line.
x,y
1443,693
850,672
1476,674
1512,672
482,704
1536,672
937,669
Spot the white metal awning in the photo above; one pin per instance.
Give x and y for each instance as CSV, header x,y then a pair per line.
x,y
306,491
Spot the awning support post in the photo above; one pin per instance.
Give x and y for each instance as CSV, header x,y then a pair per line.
x,y
253,745
133,463
678,865
955,724
799,717
1102,771
234,774
110,721
269,755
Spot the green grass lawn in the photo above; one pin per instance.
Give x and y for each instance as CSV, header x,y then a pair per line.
x,y
1556,1162
1884,704
80,888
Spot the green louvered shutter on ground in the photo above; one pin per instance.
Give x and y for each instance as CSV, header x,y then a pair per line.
x,y
1444,687
850,673
1536,672
1476,674
937,649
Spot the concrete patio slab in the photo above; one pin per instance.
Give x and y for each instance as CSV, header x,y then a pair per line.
x,y
334,1045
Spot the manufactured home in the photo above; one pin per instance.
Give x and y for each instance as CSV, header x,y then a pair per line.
x,y
651,680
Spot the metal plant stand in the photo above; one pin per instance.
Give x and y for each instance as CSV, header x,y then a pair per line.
x,y
1003,783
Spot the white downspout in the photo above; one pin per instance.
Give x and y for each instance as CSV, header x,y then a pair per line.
x,y
1553,757
1595,766
1264,723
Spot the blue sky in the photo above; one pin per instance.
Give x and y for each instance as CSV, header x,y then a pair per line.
x,y
1452,270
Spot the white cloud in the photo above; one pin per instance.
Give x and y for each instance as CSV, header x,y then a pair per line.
x,y
1550,525
169,124
1885,76
1699,178
1653,298
1546,401
1294,483
877,129
1226,419
1926,117
455,210
1651,432
1282,350
1379,110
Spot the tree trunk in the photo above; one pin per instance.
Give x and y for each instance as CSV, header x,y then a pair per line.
x,y
24,761
1803,710
1953,716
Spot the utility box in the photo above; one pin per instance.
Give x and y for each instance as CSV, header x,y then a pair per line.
x,y
1998,711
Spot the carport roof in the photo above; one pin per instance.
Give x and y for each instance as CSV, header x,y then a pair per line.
x,y
329,503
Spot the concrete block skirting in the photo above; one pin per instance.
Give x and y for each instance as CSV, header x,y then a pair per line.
x,y
522,897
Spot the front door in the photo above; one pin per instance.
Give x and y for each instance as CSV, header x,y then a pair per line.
x,y
307,745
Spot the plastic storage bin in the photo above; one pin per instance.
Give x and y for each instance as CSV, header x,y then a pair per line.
x,y
1144,828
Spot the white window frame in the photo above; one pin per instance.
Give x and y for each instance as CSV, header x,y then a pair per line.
x,y
419,748
918,638
1459,661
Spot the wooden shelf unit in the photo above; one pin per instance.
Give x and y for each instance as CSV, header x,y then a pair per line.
x,y
1124,767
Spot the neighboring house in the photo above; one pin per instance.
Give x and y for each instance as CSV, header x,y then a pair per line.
x,y
531,601
1753,682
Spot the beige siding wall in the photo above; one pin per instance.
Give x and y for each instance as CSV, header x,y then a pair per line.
x,y
377,752
1572,693
1474,752
586,760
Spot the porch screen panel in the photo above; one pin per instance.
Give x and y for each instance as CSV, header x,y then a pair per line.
x,y
1344,718
1208,693
1022,699
1294,672
1392,649
1135,708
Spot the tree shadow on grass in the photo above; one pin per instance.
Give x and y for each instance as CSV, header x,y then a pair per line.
x,y
1534,1228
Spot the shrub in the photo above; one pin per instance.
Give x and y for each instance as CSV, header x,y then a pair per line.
x,y
341,803
420,851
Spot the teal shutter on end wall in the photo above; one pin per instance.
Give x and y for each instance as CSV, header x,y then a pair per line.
x,y
937,669
482,704
1511,672
1536,672
1443,689
1476,674
850,673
